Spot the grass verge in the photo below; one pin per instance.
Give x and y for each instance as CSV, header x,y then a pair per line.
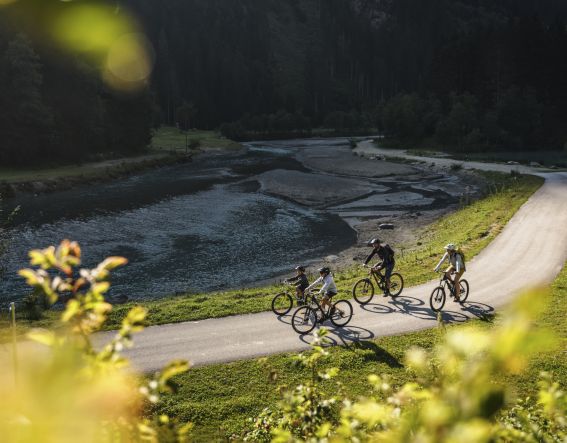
x,y
169,138
473,227
219,399
165,142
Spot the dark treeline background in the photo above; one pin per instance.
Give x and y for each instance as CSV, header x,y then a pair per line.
x,y
464,74
461,73
55,108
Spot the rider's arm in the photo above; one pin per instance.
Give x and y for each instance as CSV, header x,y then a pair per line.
x,y
315,283
372,254
441,262
326,284
292,279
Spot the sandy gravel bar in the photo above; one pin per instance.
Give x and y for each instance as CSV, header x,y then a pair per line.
x,y
343,162
313,189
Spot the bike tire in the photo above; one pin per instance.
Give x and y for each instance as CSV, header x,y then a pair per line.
x,y
437,299
464,294
396,285
304,320
363,291
282,303
338,319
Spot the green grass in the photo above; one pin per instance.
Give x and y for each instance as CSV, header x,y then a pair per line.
x,y
219,399
168,138
473,227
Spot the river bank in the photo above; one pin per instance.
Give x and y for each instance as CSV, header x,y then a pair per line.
x,y
169,146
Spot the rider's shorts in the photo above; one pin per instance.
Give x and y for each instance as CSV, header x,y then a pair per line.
x,y
329,294
451,269
302,286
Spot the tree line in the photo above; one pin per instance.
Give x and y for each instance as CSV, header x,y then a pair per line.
x,y
466,74
55,109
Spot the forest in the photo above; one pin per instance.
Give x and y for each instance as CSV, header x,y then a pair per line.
x,y
461,74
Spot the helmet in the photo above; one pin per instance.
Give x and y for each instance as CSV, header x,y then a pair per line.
x,y
324,270
374,241
450,247
300,268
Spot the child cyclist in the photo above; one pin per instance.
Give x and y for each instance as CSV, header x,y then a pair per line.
x,y
457,266
328,290
300,281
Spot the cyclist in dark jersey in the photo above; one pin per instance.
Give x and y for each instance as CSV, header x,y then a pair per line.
x,y
300,280
386,254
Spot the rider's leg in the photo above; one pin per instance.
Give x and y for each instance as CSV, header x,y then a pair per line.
x,y
456,284
388,274
448,273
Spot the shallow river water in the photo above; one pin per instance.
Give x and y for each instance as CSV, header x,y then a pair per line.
x,y
193,227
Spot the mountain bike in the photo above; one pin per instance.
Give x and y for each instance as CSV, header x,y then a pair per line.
x,y
363,289
305,318
438,296
283,301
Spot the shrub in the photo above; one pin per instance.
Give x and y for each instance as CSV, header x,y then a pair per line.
x,y
75,391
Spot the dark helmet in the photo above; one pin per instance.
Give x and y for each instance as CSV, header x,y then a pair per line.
x,y
300,268
374,241
324,270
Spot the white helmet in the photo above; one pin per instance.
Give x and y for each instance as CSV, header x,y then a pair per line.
x,y
450,247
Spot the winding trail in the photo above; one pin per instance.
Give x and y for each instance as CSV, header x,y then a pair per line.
x,y
530,251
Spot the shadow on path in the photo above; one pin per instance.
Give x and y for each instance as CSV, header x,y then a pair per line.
x,y
480,310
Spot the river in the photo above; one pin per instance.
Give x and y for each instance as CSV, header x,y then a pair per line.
x,y
193,227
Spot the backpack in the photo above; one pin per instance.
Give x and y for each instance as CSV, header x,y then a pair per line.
x,y
462,254
390,252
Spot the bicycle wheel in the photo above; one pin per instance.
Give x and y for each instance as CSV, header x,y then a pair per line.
x,y
341,313
282,303
437,299
304,320
363,291
464,291
396,285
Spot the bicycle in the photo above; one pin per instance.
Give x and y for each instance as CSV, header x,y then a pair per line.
x,y
305,318
438,296
363,289
282,302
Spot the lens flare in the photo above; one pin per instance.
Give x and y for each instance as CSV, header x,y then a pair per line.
x,y
129,62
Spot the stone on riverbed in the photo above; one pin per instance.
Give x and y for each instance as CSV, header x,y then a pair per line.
x,y
387,226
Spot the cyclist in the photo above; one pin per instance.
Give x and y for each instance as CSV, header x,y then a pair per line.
x,y
386,254
300,280
328,290
457,266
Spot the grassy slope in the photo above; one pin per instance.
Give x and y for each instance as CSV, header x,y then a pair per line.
x,y
165,141
170,138
220,398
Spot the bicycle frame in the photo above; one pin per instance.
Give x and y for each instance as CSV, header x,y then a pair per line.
x,y
444,282
313,300
290,289
379,278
